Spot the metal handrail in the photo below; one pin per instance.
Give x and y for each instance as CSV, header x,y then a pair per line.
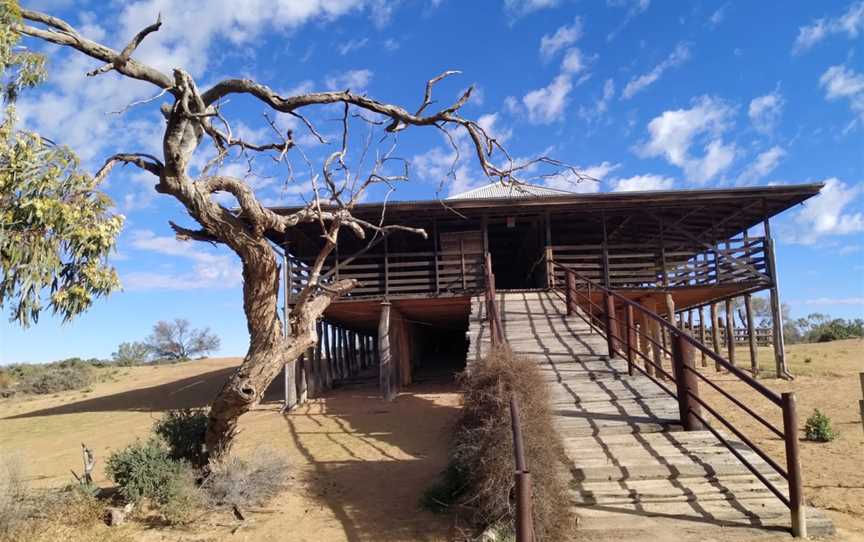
x,y
685,381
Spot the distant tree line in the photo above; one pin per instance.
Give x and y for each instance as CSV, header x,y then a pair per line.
x,y
169,342
821,328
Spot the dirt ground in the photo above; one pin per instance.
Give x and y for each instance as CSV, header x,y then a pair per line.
x,y
361,464
827,379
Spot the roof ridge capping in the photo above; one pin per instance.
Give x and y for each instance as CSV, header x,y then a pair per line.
x,y
499,190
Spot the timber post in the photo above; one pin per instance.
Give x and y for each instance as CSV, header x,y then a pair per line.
x,y
610,320
776,308
861,402
793,464
688,386
751,335
702,335
630,333
730,330
385,361
715,334
571,286
436,264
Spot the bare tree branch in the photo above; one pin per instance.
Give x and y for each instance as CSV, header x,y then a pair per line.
x,y
146,162
127,51
62,33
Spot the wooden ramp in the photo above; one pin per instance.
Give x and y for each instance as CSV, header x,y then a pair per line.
x,y
632,468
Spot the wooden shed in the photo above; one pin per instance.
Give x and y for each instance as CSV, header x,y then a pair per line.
x,y
678,252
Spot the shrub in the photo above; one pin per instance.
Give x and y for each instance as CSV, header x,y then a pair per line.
x,y
234,481
183,431
56,378
144,469
132,353
479,476
818,428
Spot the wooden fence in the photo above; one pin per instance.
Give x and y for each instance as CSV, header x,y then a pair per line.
x,y
640,266
381,275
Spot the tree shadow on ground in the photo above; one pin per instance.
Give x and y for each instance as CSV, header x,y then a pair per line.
x,y
380,459
191,392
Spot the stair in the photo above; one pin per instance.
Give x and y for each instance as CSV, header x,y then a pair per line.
x,y
634,473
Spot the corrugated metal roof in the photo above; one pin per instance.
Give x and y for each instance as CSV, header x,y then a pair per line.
x,y
498,190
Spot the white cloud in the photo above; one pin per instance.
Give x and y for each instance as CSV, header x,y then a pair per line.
x,y
680,55
823,214
850,23
570,182
573,61
546,105
517,8
718,16
491,125
210,269
764,164
643,183
599,171
601,105
841,82
835,301
673,133
635,7
765,111
563,37
356,80
352,45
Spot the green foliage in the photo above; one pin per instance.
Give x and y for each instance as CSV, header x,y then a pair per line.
x,y
56,229
818,428
64,375
21,68
131,353
817,327
183,431
57,379
145,469
235,481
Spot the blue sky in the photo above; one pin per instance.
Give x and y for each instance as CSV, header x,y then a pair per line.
x,y
640,94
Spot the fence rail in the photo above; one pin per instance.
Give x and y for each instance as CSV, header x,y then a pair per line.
x,y
740,259
386,274
622,321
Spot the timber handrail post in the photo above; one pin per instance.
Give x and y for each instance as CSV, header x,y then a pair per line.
x,y
687,384
571,287
524,515
630,334
793,465
609,321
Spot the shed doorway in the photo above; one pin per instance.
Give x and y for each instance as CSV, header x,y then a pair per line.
x,y
517,248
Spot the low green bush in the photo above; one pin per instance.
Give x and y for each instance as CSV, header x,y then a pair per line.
x,y
818,428
144,469
183,431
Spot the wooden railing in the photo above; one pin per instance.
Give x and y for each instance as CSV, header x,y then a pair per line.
x,y
522,476
634,266
398,273
616,318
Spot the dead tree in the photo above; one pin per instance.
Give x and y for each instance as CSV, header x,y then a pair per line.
x,y
194,119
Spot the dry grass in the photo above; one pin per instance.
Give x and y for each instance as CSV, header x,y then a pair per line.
x,y
482,450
